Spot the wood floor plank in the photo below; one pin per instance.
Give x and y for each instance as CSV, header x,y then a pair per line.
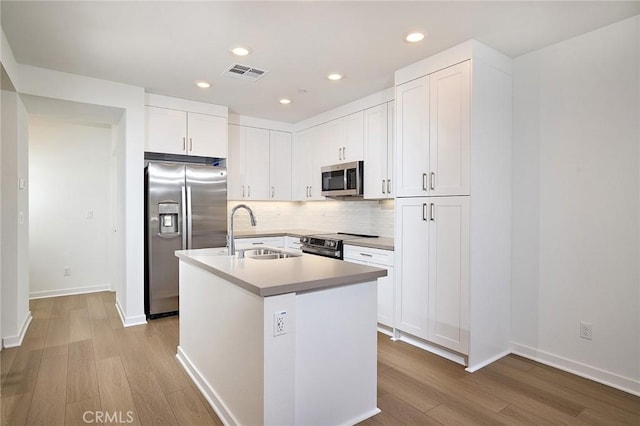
x,y
414,393
82,380
82,412
36,334
81,349
403,412
115,393
7,355
48,402
96,307
15,409
131,352
605,394
104,342
41,308
188,409
23,374
151,406
593,417
57,340
464,415
169,373
79,325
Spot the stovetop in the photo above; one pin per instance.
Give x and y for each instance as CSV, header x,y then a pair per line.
x,y
341,236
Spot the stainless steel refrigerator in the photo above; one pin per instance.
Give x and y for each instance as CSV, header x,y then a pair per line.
x,y
185,208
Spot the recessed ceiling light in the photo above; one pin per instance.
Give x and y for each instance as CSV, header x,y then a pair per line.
x,y
241,51
334,76
414,37
203,84
285,101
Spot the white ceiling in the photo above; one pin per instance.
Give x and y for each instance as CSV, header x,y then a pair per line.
x,y
166,46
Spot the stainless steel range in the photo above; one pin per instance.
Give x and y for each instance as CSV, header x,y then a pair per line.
x,y
329,245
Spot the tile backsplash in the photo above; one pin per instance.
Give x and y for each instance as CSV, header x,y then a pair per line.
x,y
360,217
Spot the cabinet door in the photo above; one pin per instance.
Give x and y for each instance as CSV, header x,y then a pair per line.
x,y
279,165
352,149
257,164
207,135
385,297
236,163
450,133
331,136
449,272
390,147
412,138
166,130
375,152
315,189
304,164
411,263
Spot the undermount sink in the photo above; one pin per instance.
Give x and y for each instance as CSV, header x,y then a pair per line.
x,y
265,253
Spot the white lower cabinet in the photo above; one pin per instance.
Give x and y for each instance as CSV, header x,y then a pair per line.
x,y
432,295
257,242
380,259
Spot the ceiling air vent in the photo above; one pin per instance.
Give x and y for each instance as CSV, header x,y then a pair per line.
x,y
244,72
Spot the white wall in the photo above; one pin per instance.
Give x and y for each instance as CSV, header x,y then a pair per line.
x,y
360,217
576,214
69,87
15,211
69,199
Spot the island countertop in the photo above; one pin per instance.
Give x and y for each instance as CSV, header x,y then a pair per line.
x,y
279,276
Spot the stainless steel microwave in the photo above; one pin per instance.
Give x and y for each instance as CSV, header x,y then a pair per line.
x,y
342,180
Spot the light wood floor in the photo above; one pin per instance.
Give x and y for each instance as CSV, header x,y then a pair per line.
x,y
78,358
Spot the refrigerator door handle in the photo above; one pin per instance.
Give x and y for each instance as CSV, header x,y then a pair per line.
x,y
189,213
184,218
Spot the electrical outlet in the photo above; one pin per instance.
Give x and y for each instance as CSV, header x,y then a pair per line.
x,y
585,330
279,323
67,271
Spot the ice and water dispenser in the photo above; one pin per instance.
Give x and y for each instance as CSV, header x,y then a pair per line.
x,y
168,212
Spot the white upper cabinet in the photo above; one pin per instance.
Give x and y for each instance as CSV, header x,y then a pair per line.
x,y
259,164
342,139
279,165
378,151
173,131
248,165
412,138
433,116
309,159
450,133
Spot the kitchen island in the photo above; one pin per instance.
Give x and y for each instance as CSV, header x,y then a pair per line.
x,y
287,341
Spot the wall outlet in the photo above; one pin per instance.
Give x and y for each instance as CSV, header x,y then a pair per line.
x,y
67,271
279,323
585,330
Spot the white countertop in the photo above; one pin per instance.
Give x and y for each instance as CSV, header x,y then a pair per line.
x,y
279,276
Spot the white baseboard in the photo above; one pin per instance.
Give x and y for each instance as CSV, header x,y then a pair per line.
x,y
592,373
69,291
205,388
13,341
429,347
363,417
476,367
129,321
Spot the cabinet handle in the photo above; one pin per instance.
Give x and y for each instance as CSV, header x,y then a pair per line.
x,y
433,212
190,144
424,211
339,153
307,191
242,191
310,191
272,192
248,191
344,152
366,254
388,186
383,186
184,144
433,181
424,181
258,243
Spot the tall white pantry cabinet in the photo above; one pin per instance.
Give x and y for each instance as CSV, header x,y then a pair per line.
x,y
453,205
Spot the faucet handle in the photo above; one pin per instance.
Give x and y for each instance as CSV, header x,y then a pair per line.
x,y
240,254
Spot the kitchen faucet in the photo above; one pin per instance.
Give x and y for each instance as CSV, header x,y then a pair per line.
x,y
232,245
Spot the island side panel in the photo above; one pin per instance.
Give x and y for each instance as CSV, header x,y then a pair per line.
x,y
336,355
221,344
279,361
